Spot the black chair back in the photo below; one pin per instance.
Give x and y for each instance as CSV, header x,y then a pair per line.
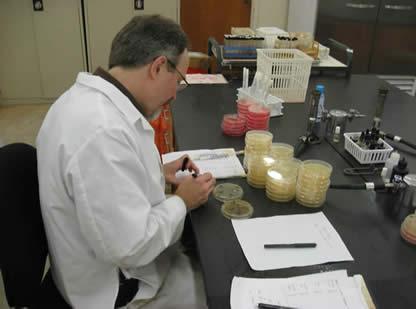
x,y
22,235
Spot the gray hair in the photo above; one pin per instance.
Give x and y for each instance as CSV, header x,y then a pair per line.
x,y
145,38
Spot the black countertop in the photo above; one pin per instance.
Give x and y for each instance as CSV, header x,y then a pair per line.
x,y
364,220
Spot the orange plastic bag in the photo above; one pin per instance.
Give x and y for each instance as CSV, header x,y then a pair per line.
x,y
163,127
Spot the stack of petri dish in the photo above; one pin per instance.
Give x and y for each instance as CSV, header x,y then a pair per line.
x,y
281,151
258,117
313,183
281,180
408,229
242,107
257,143
233,125
258,166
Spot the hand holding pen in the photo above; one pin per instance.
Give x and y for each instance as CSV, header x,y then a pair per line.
x,y
181,164
190,166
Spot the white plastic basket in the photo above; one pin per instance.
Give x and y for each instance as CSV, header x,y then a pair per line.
x,y
323,52
289,70
366,156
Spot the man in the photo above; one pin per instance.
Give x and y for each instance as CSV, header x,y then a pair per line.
x,y
101,182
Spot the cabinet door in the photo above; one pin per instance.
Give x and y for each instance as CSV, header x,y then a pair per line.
x,y
19,65
351,22
395,44
104,18
41,52
59,40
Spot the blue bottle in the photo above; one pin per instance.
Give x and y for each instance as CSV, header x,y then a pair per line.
x,y
321,105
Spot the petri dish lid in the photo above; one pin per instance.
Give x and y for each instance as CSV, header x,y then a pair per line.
x,y
410,180
228,192
237,209
282,147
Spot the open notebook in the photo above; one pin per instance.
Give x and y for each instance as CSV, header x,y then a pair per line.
x,y
221,163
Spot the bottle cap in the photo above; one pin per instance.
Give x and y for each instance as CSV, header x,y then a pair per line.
x,y
320,88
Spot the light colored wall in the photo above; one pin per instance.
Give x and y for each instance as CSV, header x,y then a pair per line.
x,y
302,15
266,13
291,15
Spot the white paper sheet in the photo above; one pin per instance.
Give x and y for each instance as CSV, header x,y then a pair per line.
x,y
221,163
330,290
252,234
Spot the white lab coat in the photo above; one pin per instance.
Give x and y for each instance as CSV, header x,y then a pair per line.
x,y
102,195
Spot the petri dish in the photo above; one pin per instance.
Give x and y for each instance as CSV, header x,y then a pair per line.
x,y
228,192
237,209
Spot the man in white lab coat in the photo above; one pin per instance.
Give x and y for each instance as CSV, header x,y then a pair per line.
x,y
111,230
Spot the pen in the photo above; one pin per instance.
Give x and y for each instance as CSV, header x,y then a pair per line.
x,y
269,306
184,162
294,245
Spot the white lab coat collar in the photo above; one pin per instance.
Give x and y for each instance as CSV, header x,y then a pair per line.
x,y
122,102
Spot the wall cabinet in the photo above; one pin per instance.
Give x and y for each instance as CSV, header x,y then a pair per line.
x,y
41,52
104,18
381,32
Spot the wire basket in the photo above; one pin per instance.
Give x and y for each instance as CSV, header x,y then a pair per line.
x,y
289,69
366,156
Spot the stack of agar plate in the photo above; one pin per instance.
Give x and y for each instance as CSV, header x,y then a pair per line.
x,y
408,229
257,143
242,107
233,125
258,117
313,183
257,170
281,151
281,180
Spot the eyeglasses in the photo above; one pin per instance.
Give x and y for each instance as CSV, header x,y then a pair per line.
x,y
180,86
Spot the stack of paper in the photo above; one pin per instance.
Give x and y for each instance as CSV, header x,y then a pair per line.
x,y
221,163
314,228
332,290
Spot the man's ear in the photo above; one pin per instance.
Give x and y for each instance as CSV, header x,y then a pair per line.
x,y
156,66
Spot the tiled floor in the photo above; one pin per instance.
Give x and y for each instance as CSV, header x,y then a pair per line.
x,y
3,302
19,123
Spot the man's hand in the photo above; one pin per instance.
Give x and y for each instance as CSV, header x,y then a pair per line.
x,y
195,190
170,169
